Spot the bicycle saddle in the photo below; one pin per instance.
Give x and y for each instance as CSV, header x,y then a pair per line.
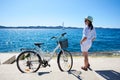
x,y
38,44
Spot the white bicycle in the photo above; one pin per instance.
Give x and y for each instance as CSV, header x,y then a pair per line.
x,y
30,60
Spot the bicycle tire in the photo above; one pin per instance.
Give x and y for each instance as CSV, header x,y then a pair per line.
x,y
22,57
67,54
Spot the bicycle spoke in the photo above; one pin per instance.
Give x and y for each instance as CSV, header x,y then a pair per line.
x,y
65,64
65,61
28,62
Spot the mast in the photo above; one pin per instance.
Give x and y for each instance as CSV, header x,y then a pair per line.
x,y
63,25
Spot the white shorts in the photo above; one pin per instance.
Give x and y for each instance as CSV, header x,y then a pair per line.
x,y
85,46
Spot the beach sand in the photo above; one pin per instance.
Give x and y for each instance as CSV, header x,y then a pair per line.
x,y
102,68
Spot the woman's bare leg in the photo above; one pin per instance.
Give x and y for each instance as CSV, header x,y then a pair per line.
x,y
86,62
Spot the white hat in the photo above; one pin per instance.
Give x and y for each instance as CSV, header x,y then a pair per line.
x,y
89,18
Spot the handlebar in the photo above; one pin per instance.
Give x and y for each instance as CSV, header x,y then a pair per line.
x,y
62,35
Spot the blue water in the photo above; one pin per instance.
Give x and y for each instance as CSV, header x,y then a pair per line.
x,y
12,40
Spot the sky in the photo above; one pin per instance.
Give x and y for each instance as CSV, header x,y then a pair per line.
x,y
105,13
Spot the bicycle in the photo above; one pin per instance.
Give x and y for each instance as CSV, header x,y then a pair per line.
x,y
30,60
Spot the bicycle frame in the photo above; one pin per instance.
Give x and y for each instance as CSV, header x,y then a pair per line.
x,y
40,52
43,57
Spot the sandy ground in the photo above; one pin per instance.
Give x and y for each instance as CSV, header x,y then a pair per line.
x,y
102,68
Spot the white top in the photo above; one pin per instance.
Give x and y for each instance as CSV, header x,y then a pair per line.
x,y
90,34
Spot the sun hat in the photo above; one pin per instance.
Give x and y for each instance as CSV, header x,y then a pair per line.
x,y
90,18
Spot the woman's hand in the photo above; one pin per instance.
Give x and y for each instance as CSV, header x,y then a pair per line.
x,y
84,39
93,39
81,42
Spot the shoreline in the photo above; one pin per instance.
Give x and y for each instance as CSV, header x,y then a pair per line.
x,y
92,54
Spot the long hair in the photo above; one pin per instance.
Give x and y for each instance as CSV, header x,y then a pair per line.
x,y
90,25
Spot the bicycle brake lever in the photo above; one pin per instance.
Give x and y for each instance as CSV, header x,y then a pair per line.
x,y
63,34
53,37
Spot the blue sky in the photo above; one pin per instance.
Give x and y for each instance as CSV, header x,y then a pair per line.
x,y
106,13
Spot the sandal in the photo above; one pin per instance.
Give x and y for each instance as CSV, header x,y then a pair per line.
x,y
84,68
88,65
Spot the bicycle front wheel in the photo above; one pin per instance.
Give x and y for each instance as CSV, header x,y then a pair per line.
x,y
28,62
65,61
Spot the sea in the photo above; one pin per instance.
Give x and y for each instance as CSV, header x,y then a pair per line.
x,y
12,40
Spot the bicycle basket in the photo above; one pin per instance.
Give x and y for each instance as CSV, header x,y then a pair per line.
x,y
64,43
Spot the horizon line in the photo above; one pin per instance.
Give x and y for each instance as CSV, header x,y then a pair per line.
x,y
1,26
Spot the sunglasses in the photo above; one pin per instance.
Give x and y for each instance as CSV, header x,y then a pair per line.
x,y
86,20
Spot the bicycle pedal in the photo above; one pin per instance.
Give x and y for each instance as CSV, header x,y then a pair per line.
x,y
49,65
43,66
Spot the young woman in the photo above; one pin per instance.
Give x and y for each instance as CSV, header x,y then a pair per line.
x,y
89,34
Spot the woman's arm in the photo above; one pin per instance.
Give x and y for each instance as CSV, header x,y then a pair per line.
x,y
93,39
94,36
84,39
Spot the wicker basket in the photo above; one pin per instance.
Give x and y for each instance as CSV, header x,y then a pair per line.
x,y
64,43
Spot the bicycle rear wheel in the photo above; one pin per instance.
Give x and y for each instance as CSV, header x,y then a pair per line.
x,y
28,62
65,61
